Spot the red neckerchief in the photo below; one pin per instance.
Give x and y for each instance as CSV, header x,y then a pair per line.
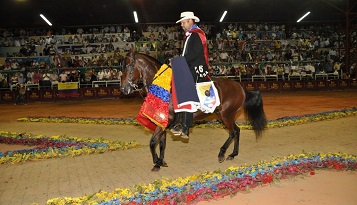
x,y
202,36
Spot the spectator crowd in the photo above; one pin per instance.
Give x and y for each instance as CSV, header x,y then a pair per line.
x,y
89,54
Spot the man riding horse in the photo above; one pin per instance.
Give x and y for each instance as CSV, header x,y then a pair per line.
x,y
195,60
232,96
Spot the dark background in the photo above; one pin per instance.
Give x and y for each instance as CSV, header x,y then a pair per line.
x,y
66,13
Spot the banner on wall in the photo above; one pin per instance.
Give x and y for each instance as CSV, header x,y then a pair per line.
x,y
33,95
321,84
69,89
310,85
262,86
274,86
344,83
286,85
332,84
298,85
7,96
103,92
353,83
115,92
249,86
47,95
88,93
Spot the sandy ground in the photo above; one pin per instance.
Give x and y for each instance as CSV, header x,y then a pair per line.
x,y
326,187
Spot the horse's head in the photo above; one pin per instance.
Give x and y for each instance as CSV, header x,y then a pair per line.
x,y
131,74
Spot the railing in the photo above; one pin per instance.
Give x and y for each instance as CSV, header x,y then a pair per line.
x,y
27,86
327,76
106,82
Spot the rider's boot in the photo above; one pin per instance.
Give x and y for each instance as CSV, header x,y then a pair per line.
x,y
187,121
176,125
185,132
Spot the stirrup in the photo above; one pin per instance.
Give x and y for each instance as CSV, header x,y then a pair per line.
x,y
184,136
176,130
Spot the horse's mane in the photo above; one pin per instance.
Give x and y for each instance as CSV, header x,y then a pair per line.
x,y
151,59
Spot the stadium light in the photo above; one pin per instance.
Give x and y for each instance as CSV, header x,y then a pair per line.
x,y
135,17
303,17
223,15
45,19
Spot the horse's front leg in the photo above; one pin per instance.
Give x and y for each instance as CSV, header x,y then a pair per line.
x,y
162,149
158,136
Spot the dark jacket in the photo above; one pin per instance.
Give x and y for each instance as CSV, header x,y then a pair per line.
x,y
194,56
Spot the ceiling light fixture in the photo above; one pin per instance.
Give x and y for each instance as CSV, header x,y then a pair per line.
x,y
136,17
47,21
223,15
303,17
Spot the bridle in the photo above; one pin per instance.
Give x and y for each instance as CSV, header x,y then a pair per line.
x,y
131,68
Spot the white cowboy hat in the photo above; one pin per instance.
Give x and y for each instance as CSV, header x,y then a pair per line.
x,y
188,15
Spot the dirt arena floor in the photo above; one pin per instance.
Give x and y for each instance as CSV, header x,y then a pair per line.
x,y
39,181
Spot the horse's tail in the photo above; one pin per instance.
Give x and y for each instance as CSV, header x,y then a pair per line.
x,y
254,112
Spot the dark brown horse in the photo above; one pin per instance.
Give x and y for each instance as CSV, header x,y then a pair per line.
x,y
143,67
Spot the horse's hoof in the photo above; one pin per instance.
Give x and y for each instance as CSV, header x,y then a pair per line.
x,y
164,164
155,169
230,158
221,159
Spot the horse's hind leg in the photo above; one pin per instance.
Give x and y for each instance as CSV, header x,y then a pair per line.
x,y
236,136
234,133
158,136
224,148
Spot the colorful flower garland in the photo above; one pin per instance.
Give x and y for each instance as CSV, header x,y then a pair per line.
x,y
292,120
217,184
281,122
214,184
81,120
55,146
